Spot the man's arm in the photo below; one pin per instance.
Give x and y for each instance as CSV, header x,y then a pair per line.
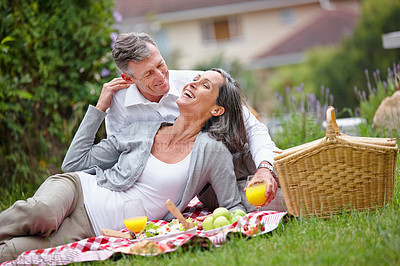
x,y
262,150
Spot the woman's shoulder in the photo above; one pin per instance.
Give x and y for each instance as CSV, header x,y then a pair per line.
x,y
205,141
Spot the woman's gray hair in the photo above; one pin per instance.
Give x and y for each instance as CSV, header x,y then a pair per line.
x,y
229,127
131,47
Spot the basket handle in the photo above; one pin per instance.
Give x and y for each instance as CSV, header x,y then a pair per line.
x,y
332,128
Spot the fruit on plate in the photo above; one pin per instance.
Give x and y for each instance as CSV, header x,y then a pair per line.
x,y
220,222
234,218
221,211
221,217
239,212
208,223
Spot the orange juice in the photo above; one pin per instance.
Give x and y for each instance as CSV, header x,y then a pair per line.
x,y
136,224
256,194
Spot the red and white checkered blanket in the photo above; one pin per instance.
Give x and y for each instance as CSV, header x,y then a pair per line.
x,y
103,247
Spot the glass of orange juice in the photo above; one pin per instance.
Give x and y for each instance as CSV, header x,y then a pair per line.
x,y
255,194
135,218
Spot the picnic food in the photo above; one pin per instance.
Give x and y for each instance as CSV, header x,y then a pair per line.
x,y
152,229
221,211
239,212
220,222
208,223
221,217
255,194
145,247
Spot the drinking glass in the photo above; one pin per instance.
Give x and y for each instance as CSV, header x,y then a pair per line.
x,y
135,218
255,194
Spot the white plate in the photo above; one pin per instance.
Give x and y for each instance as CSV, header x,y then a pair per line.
x,y
216,230
162,237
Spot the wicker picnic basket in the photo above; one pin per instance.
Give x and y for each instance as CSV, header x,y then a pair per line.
x,y
336,173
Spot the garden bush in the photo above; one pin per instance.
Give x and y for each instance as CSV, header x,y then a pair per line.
x,y
54,56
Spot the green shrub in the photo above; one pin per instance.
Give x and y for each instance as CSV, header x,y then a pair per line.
x,y
52,54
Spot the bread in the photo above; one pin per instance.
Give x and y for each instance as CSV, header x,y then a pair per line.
x,y
145,247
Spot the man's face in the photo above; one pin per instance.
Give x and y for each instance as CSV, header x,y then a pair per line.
x,y
151,75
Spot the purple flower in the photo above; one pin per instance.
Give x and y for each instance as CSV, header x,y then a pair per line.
x,y
113,36
292,99
117,17
364,95
301,87
311,97
301,108
287,89
105,72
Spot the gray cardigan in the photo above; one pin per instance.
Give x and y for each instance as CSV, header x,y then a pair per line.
x,y
119,160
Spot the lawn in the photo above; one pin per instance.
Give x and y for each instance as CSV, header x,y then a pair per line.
x,y
353,238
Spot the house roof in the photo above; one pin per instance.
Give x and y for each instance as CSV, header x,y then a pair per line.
x,y
190,9
328,28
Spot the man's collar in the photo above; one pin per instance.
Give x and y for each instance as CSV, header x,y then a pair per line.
x,y
134,97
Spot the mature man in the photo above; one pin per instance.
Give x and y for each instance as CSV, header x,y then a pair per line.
x,y
147,90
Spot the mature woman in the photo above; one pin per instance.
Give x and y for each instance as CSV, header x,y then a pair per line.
x,y
150,160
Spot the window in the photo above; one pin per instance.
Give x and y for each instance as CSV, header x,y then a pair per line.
x,y
287,16
222,29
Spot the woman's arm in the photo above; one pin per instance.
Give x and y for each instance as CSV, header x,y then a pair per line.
x,y
82,154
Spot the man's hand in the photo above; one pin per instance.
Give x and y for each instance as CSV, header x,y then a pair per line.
x,y
108,92
263,175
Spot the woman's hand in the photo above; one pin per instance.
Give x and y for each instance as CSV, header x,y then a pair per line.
x,y
108,92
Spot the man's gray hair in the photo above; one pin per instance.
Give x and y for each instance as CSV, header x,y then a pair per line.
x,y
131,47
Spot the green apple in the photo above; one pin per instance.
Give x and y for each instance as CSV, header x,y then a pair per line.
x,y
234,218
208,223
220,221
238,212
221,211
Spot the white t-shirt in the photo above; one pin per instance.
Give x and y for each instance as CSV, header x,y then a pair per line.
x,y
159,181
